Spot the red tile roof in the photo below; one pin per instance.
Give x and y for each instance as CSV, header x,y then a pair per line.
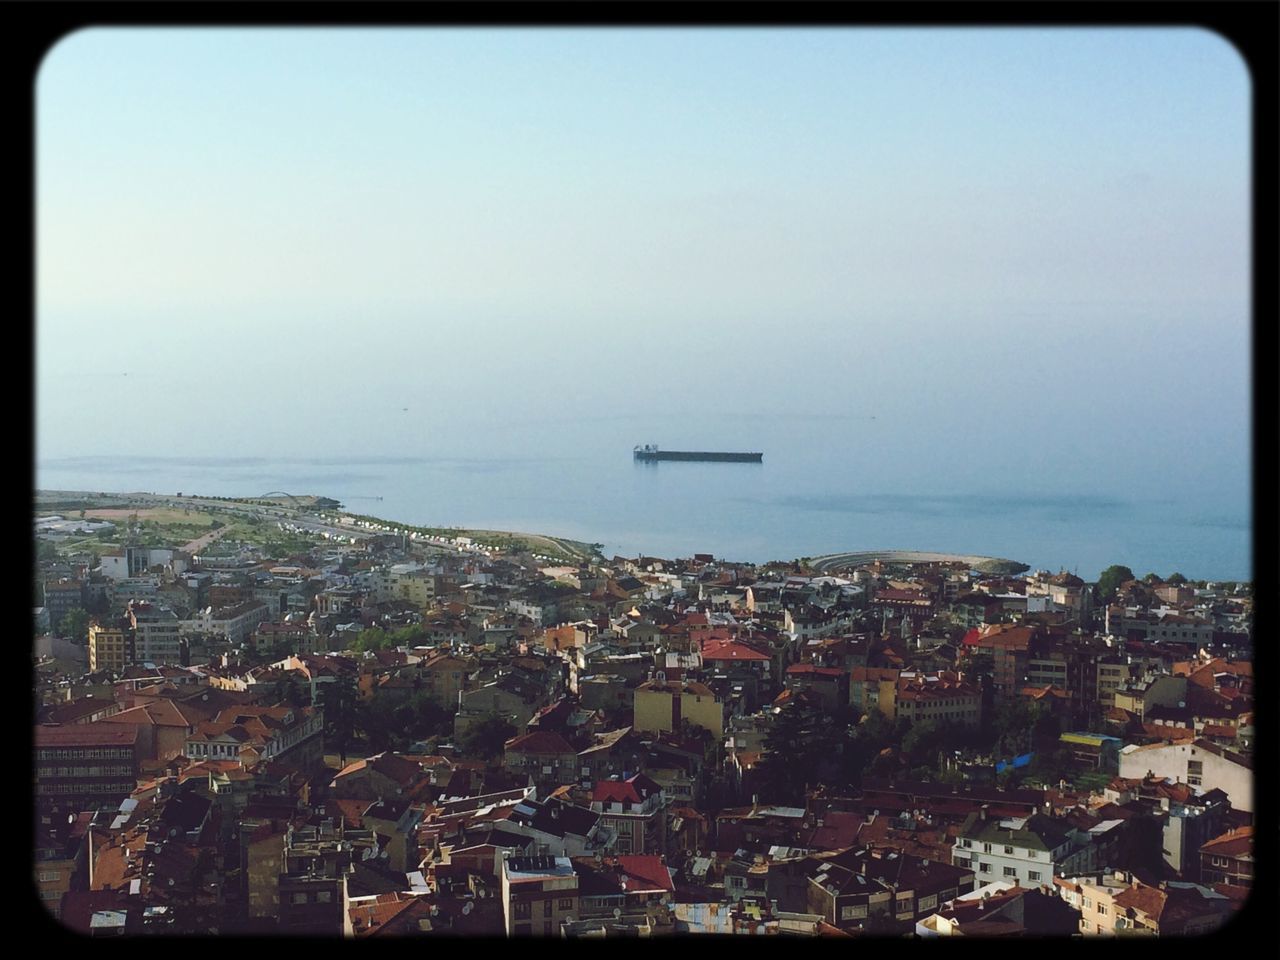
x,y
540,742
731,650
1234,843
808,669
97,734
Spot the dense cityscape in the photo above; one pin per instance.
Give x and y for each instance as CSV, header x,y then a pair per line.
x,y
272,716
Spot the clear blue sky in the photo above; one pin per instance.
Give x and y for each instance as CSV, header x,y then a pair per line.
x,y
1040,235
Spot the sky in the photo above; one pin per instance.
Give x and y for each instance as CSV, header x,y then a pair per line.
x,y
1017,246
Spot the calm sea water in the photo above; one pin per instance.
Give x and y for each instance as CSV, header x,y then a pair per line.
x,y
792,505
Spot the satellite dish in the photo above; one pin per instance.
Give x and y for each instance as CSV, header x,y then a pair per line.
x,y
616,913
466,908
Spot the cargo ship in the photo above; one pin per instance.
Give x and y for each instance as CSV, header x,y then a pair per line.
x,y
649,453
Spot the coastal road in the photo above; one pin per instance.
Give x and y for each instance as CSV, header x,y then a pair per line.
x,y
834,561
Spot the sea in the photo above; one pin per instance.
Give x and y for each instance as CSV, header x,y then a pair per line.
x,y
791,505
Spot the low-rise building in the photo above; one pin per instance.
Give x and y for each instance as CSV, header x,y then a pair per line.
x,y
664,706
1198,762
1228,858
1120,904
1025,849
538,894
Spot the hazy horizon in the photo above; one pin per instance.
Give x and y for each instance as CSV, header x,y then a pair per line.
x,y
910,262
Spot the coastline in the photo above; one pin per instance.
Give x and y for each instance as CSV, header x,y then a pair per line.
x,y
287,506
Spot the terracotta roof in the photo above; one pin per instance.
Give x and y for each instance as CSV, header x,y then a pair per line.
x,y
97,733
808,669
650,870
540,742
367,917
1234,843
731,650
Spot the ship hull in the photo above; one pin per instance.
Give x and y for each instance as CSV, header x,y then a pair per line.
x,y
653,456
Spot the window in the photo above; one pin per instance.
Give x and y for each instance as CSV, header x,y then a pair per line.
x,y
546,908
1102,909
853,913
1010,871
1008,850
1088,904
299,898
324,896
1033,875
566,903
521,911
984,868
986,848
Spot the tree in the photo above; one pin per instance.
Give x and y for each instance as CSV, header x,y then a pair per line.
x,y
487,738
1012,727
922,742
1176,579
1110,579
370,638
802,747
337,702
46,552
75,625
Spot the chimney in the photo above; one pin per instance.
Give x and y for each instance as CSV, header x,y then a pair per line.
x,y
982,812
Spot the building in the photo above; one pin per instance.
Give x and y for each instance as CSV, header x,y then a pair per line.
x,y
252,733
855,887
943,697
61,597
111,647
664,706
874,688
1196,762
546,758
1011,647
1228,858
1120,904
236,623
538,894
84,765
1093,751
1022,849
829,684
444,678
636,810
631,885
156,633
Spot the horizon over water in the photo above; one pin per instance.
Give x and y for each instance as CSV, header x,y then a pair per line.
x,y
806,499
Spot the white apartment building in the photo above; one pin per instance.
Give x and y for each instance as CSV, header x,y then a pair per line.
x,y
1026,849
1201,764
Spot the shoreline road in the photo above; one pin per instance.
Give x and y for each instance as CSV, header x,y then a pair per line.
x,y
833,561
